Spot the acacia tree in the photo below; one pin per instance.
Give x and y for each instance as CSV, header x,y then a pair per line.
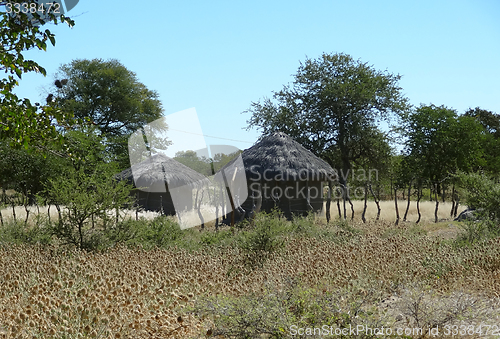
x,y
22,122
330,108
440,143
112,98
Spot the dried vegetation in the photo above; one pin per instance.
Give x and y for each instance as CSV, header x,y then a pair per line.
x,y
255,283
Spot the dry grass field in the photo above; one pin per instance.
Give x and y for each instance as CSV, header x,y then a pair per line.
x,y
341,275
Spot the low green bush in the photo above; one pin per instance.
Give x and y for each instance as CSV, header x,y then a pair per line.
x,y
17,232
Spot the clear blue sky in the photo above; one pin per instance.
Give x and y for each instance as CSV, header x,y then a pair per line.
x,y
218,56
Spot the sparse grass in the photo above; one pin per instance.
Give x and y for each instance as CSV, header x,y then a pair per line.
x,y
388,211
169,283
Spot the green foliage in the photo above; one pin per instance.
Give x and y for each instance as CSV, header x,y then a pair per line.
x,y
491,141
17,232
440,143
478,231
161,232
215,238
87,196
262,238
278,313
20,121
26,170
202,164
481,193
332,108
111,98
193,161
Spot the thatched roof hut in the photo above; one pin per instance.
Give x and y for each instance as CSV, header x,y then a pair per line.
x,y
156,177
286,174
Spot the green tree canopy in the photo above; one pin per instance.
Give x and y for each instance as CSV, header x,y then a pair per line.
x,y
192,160
491,142
332,107
21,121
108,94
112,98
440,142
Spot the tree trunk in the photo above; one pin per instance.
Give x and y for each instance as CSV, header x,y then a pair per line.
x,y
408,203
80,232
27,214
375,198
396,205
452,200
199,210
338,207
419,196
365,204
231,201
437,205
328,202
456,207
13,205
196,199
216,202
59,214
352,208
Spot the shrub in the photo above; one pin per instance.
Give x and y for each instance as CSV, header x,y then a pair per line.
x,y
160,232
88,197
476,231
277,313
18,232
425,309
481,193
260,240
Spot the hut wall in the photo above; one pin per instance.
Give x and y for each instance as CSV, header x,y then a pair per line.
x,y
154,201
290,197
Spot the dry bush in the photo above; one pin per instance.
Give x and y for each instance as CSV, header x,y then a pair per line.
x,y
424,308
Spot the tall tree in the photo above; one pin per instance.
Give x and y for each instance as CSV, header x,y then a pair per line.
x,y
22,122
112,98
491,142
332,107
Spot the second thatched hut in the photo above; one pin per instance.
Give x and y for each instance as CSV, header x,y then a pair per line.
x,y
155,178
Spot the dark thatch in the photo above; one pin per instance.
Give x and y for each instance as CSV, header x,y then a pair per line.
x,y
156,176
161,169
285,174
280,157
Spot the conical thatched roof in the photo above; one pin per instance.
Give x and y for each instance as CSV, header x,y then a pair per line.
x,y
280,157
154,172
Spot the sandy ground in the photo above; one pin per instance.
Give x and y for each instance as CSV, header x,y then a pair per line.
x,y
191,218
